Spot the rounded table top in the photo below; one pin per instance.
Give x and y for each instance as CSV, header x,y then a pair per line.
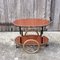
x,y
31,22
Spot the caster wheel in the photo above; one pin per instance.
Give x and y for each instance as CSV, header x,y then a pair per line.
x,y
46,45
17,46
31,46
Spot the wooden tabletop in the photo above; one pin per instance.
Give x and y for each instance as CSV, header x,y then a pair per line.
x,y
31,22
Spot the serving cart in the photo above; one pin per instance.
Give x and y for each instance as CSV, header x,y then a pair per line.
x,y
31,43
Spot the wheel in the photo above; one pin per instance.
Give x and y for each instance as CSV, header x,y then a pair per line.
x,y
31,46
17,46
46,45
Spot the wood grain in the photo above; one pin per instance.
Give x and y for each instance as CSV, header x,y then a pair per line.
x,y
31,22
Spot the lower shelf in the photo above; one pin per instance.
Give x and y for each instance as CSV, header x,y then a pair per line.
x,y
41,40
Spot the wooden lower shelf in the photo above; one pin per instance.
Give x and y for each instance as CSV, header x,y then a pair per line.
x,y
41,40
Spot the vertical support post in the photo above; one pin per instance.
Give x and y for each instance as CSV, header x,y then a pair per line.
x,y
21,32
41,31
41,35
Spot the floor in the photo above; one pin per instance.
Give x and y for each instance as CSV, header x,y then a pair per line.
x,y
8,50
